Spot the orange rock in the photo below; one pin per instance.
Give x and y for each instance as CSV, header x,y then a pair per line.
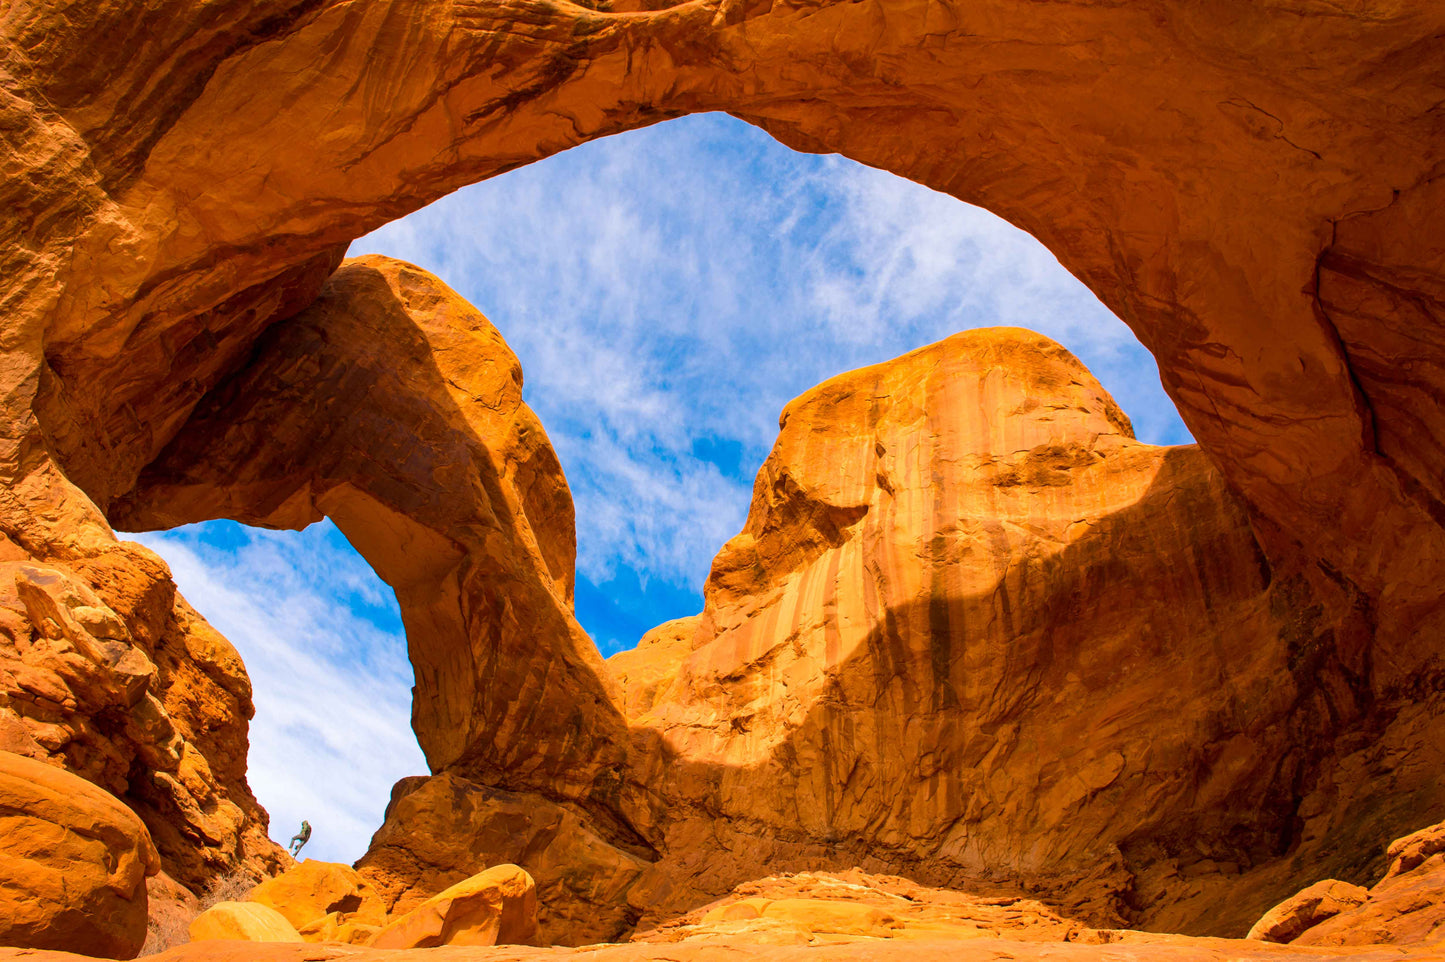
x,y
1406,907
443,479
150,263
1290,918
495,907
441,830
815,908
242,922
976,632
310,890
1163,949
337,927
73,863
106,670
1253,190
463,522
170,909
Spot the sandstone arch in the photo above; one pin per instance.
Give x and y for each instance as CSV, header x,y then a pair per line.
x,y
1206,170
1249,186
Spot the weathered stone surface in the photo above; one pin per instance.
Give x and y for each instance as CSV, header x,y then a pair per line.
x,y
394,407
1253,187
1151,149
1406,907
812,908
309,890
495,907
242,922
170,906
73,863
105,669
441,830
1155,949
1290,918
338,927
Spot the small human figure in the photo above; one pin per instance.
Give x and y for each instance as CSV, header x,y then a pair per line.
x,y
300,838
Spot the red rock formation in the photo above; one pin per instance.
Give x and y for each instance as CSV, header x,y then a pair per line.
x,y
1151,149
974,632
394,407
105,670
1251,186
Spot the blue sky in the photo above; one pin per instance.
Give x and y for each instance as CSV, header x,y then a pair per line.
x,y
667,292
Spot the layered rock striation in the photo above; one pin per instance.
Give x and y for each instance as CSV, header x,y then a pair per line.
x,y
975,633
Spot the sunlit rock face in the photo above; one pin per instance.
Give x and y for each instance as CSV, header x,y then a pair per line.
x,y
1250,187
976,633
106,671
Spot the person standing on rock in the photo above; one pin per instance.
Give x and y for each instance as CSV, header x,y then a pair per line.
x,y
300,838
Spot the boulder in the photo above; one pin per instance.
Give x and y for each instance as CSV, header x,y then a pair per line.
x,y
242,922
1406,907
73,863
1290,918
311,890
336,927
495,907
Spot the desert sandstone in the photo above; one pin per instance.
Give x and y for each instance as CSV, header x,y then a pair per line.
x,y
973,633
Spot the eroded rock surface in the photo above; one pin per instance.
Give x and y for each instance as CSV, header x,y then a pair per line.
x,y
494,907
394,407
242,922
1252,187
312,890
1405,907
105,670
1152,149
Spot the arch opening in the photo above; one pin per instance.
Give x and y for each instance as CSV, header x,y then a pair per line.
x,y
662,324
668,290
323,642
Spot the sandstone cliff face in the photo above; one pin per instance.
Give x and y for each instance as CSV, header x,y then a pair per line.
x,y
974,632
1250,186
